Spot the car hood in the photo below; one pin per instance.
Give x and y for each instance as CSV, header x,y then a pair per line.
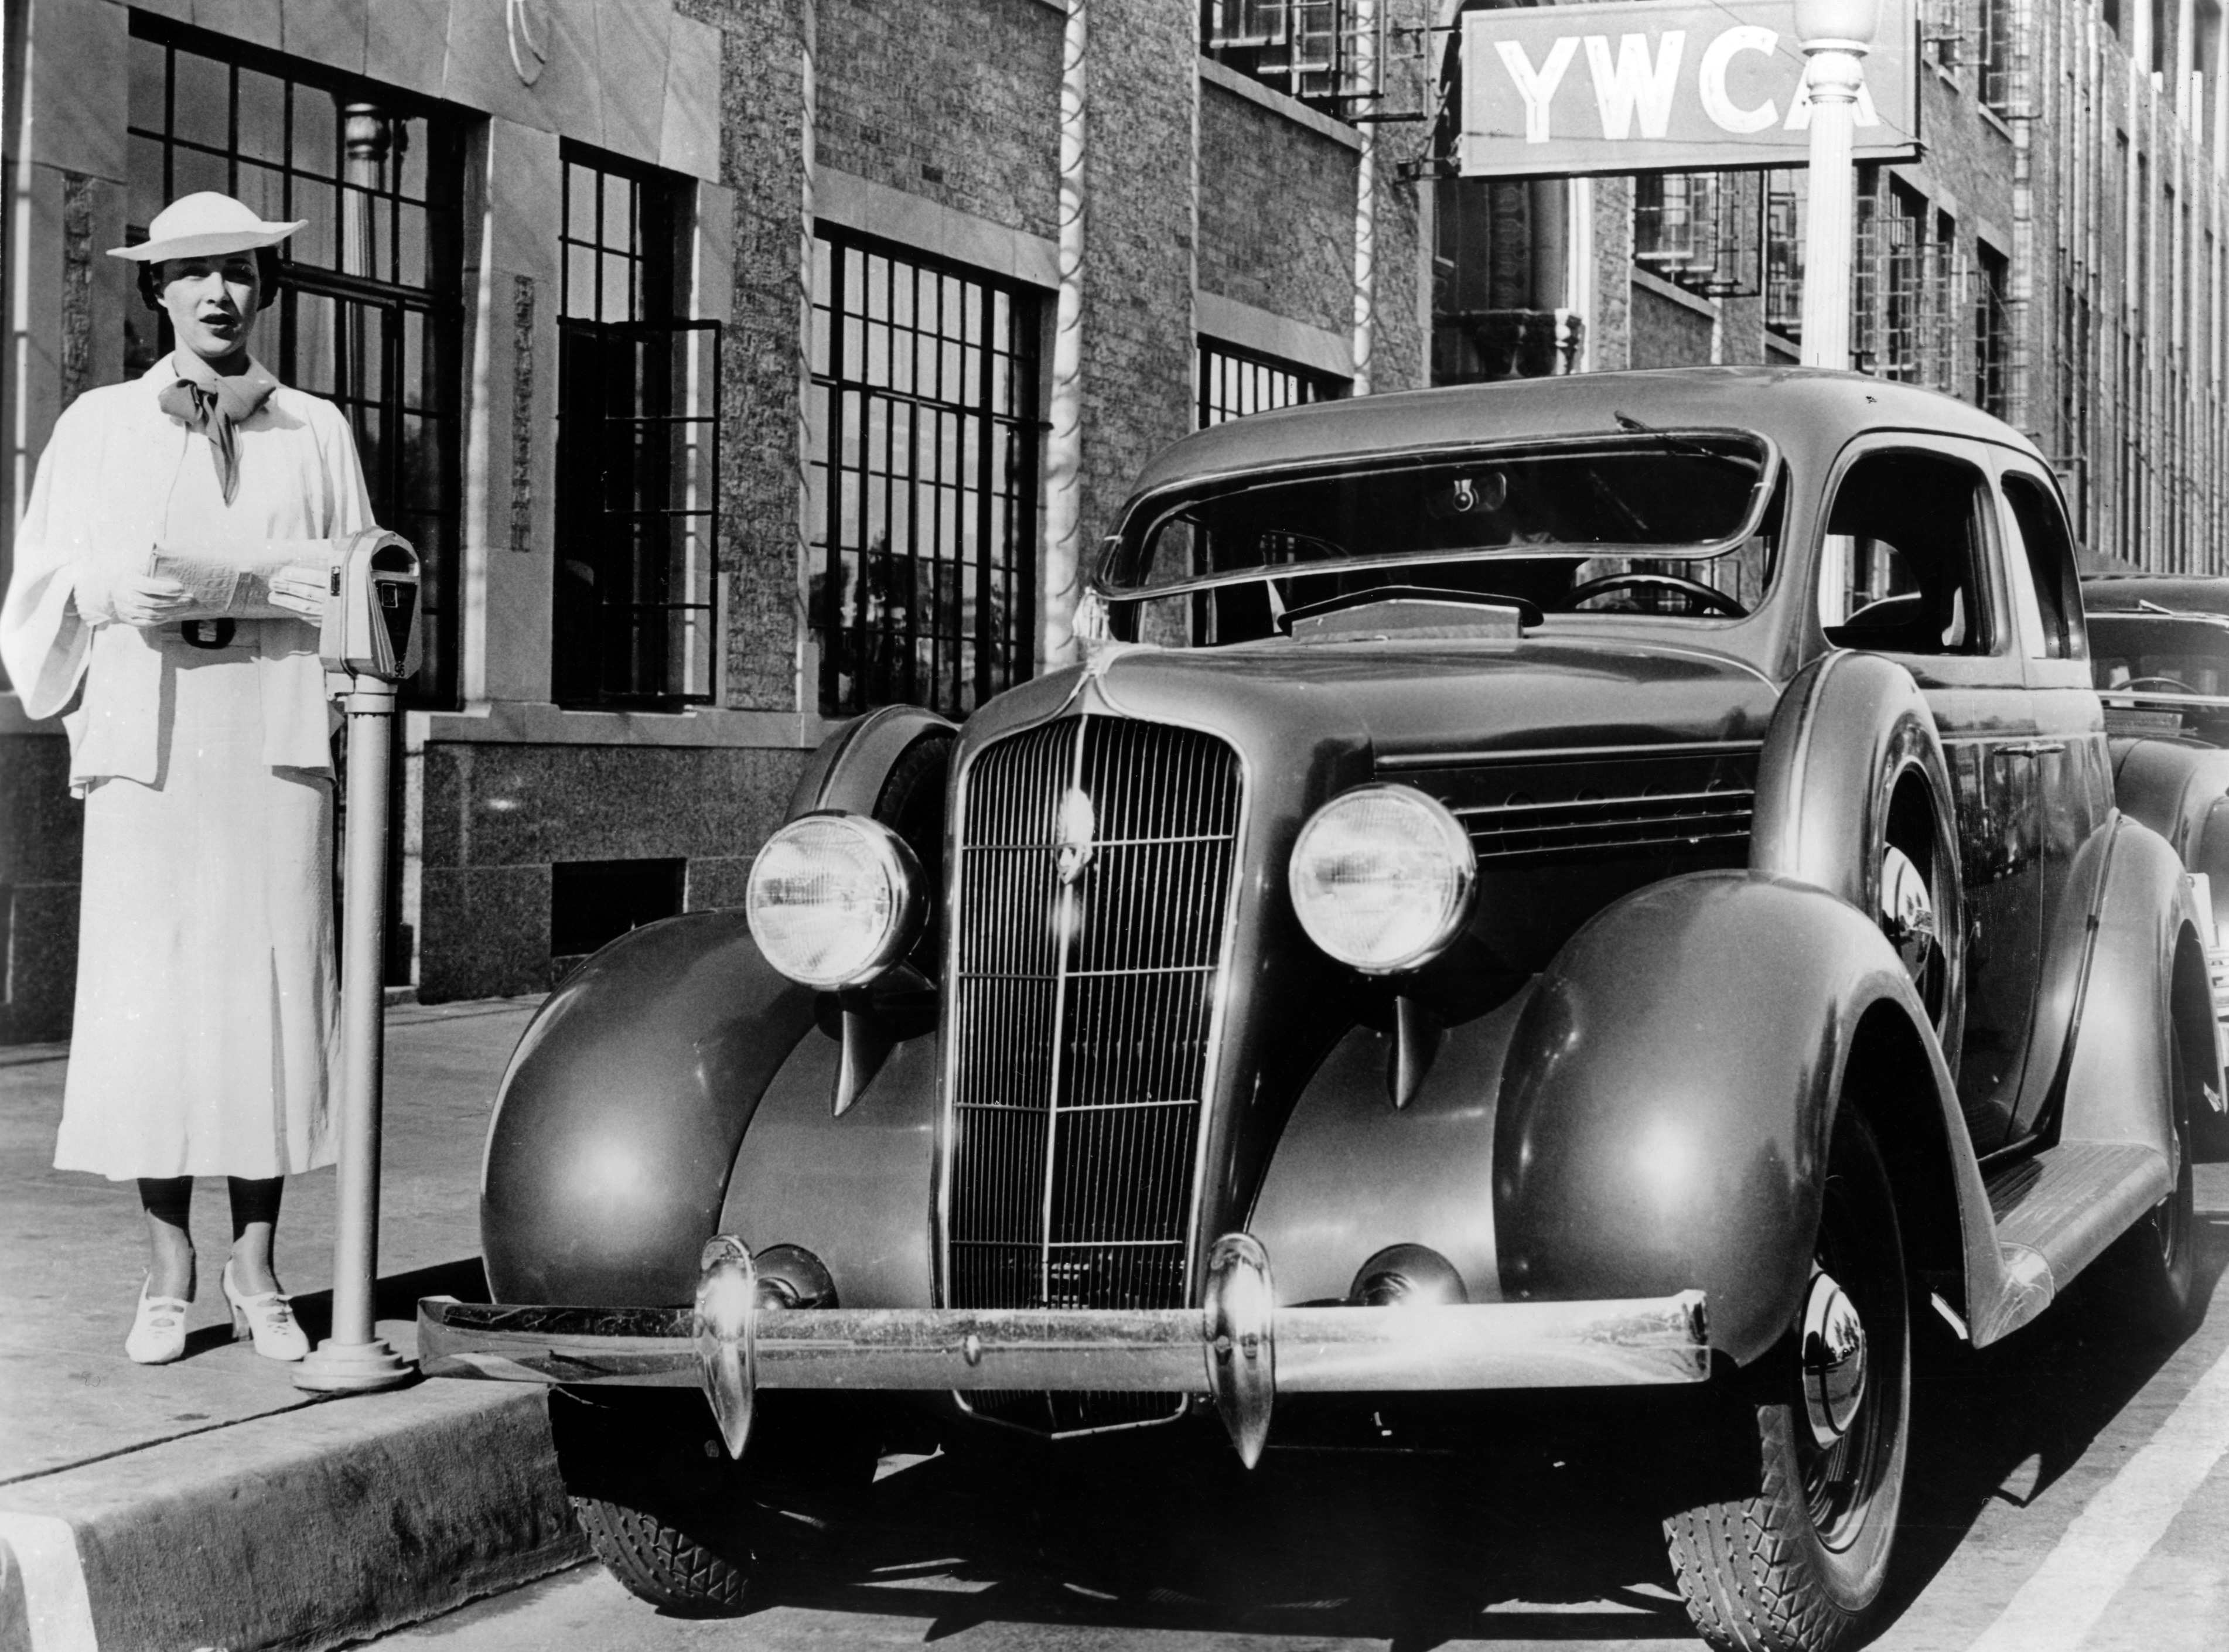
x,y
1410,700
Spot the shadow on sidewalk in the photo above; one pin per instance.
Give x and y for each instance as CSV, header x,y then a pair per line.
x,y
395,1297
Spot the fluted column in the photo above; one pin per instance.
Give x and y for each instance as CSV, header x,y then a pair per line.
x,y
1835,36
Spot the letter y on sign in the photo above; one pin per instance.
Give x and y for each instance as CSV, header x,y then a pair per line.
x,y
1537,87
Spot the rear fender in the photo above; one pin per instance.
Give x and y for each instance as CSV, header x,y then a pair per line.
x,y
2117,1085
619,1115
1670,1091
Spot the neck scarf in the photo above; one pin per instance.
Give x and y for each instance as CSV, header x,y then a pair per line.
x,y
202,399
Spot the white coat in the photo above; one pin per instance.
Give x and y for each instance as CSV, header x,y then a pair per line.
x,y
206,1010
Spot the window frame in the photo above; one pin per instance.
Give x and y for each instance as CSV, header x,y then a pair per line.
x,y
439,301
1208,350
611,651
1987,666
998,656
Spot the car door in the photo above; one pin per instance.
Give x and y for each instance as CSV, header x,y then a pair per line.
x,y
2074,766
1914,569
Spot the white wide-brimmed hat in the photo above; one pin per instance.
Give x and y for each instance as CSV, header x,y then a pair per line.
x,y
204,225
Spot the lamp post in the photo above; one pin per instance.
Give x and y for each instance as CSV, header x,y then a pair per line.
x,y
1835,36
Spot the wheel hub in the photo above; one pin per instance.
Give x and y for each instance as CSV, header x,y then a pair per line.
x,y
1907,912
1834,1356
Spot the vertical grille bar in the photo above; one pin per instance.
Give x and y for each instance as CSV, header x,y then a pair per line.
x,y
1080,1025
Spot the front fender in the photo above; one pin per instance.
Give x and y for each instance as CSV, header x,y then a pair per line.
x,y
1353,1174
854,1189
619,1113
1670,1091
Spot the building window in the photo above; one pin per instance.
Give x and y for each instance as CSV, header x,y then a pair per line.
x,y
1993,53
1785,193
1991,337
638,449
1907,320
371,310
1699,229
1323,52
924,438
1234,383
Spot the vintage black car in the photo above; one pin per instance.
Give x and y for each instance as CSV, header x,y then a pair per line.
x,y
1609,883
2159,648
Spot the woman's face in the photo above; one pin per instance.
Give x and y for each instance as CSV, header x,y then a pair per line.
x,y
211,302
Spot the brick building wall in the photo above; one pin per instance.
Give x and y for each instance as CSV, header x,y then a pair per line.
x,y
1276,212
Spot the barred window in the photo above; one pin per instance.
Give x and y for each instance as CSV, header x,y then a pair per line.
x,y
1699,229
371,309
1992,336
1785,194
1234,383
1993,52
924,437
638,449
1317,51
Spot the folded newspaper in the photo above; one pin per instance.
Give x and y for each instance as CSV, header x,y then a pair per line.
x,y
236,580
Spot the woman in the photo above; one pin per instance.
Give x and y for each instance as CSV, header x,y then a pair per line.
x,y
170,574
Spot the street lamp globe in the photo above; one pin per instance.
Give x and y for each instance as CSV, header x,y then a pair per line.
x,y
1840,21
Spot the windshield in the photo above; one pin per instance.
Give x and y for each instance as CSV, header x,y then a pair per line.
x,y
1670,524
2160,655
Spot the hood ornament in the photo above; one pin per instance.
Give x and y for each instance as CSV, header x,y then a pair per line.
x,y
1079,823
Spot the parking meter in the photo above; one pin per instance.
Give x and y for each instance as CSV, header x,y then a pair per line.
x,y
370,634
370,627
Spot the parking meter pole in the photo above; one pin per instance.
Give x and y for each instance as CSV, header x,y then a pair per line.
x,y
1835,36
353,1356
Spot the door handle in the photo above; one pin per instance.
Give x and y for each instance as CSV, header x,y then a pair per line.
x,y
2032,749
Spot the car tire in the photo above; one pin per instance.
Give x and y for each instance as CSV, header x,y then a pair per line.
x,y
659,1562
681,1526
2150,1274
1795,1560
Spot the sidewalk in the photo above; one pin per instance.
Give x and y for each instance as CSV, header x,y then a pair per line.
x,y
181,1489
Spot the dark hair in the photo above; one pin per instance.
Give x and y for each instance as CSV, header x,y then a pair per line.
x,y
270,272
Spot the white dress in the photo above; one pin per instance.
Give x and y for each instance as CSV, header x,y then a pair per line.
x,y
207,1014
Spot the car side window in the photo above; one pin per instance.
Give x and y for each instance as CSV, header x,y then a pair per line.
x,y
2044,551
1903,571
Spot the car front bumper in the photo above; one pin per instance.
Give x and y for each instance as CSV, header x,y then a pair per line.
x,y
1237,1347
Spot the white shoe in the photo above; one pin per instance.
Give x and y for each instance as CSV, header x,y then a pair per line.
x,y
269,1318
159,1329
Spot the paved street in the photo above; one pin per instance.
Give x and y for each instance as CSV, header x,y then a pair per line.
x,y
2069,1492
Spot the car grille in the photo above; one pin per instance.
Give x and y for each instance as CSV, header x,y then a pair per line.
x,y
1080,1025
1611,825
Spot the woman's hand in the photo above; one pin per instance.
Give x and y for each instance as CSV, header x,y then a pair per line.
x,y
301,588
148,600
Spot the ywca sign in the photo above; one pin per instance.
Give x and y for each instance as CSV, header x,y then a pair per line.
x,y
1650,85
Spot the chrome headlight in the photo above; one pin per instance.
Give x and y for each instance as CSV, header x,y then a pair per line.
x,y
834,899
1381,878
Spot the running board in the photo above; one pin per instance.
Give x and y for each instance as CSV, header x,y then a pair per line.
x,y
2055,1213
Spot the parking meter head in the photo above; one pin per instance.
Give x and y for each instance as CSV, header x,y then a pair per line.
x,y
371,626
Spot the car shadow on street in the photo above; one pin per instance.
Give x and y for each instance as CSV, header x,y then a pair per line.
x,y
1543,1534
2001,1424
1170,1533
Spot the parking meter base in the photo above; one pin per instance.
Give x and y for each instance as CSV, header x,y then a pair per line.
x,y
352,1367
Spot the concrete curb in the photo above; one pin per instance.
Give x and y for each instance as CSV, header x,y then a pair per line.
x,y
301,1530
